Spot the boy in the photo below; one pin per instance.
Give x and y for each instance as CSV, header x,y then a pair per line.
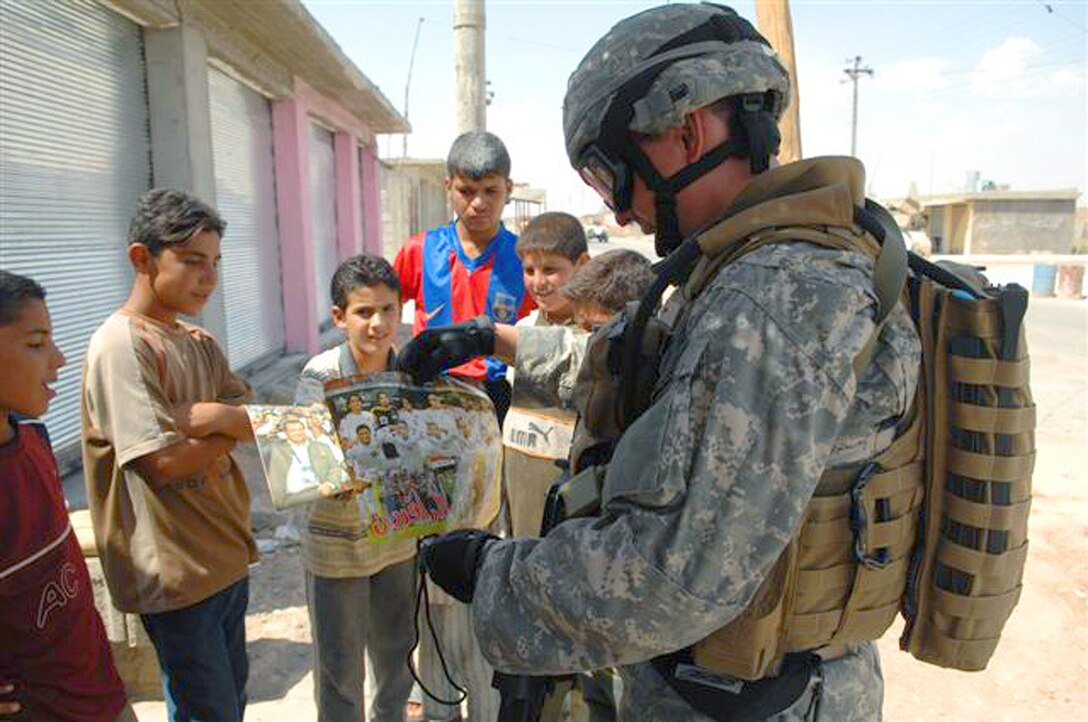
x,y
601,288
551,247
161,414
360,595
469,268
455,273
550,358
55,661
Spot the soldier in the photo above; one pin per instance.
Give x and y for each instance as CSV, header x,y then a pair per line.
x,y
786,365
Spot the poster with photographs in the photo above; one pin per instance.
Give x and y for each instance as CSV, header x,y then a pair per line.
x,y
300,453
419,459
427,458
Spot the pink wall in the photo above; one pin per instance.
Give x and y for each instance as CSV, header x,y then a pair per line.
x,y
348,202
291,138
372,199
290,145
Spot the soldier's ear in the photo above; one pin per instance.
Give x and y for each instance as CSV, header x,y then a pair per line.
x,y
694,134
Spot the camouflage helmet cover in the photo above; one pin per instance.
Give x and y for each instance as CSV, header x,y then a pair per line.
x,y
689,83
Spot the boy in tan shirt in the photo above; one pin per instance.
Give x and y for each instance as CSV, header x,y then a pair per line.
x,y
552,246
161,414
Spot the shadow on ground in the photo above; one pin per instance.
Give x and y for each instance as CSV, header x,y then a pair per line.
x,y
275,666
277,583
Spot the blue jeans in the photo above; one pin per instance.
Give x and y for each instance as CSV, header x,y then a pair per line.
x,y
202,653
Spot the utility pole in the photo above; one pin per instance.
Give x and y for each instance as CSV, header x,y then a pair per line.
x,y
773,18
470,87
854,73
408,85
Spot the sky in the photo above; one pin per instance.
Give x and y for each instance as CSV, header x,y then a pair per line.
x,y
958,88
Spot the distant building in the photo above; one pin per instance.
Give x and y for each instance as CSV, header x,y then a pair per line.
x,y
414,199
528,202
999,221
249,105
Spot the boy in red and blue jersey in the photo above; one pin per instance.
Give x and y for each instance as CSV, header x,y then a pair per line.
x,y
469,267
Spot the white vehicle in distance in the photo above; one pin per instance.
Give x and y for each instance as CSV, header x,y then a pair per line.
x,y
596,233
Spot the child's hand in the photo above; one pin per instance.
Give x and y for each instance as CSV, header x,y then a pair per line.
x,y
8,706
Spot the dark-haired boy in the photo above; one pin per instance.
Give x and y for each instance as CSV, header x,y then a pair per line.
x,y
161,414
551,248
603,287
469,267
55,660
455,273
360,594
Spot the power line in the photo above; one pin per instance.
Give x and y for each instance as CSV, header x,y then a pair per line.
x,y
995,21
854,73
1051,11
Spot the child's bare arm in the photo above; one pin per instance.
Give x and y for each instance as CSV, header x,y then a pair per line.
x,y
205,418
506,342
183,460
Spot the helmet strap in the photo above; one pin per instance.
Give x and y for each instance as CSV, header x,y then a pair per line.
x,y
666,220
751,119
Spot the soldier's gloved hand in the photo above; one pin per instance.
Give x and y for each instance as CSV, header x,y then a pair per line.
x,y
436,349
452,560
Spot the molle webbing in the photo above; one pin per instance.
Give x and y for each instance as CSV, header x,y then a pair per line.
x,y
966,573
841,578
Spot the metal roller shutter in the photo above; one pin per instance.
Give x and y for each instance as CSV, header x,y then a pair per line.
x,y
74,156
323,208
245,195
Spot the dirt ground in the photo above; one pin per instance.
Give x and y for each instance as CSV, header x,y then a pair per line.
x,y
1040,670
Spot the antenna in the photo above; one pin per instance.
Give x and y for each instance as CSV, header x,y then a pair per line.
x,y
408,85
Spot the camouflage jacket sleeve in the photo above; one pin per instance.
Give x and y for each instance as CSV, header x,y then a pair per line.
x,y
706,488
547,365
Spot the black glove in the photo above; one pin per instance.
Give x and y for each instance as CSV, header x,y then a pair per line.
x,y
451,560
436,349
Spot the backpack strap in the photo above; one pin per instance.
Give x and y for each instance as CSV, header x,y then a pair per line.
x,y
889,271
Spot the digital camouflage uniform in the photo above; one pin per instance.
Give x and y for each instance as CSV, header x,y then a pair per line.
x,y
756,398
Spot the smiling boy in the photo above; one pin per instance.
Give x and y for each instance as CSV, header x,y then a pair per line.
x,y
55,660
359,593
552,247
161,414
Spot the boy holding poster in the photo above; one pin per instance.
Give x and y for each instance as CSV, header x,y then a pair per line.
x,y
360,594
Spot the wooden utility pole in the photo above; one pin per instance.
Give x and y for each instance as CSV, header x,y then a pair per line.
x,y
470,86
773,18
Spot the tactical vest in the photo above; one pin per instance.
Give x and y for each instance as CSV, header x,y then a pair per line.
x,y
934,526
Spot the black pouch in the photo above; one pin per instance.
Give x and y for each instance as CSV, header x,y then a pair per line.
x,y
728,699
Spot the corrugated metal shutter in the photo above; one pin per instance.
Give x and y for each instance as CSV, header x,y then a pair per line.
x,y
323,207
74,156
245,195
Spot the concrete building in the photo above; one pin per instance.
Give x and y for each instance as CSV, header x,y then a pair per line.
x,y
527,202
414,199
999,221
249,105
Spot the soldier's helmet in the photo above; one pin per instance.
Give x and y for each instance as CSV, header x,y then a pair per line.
x,y
665,63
